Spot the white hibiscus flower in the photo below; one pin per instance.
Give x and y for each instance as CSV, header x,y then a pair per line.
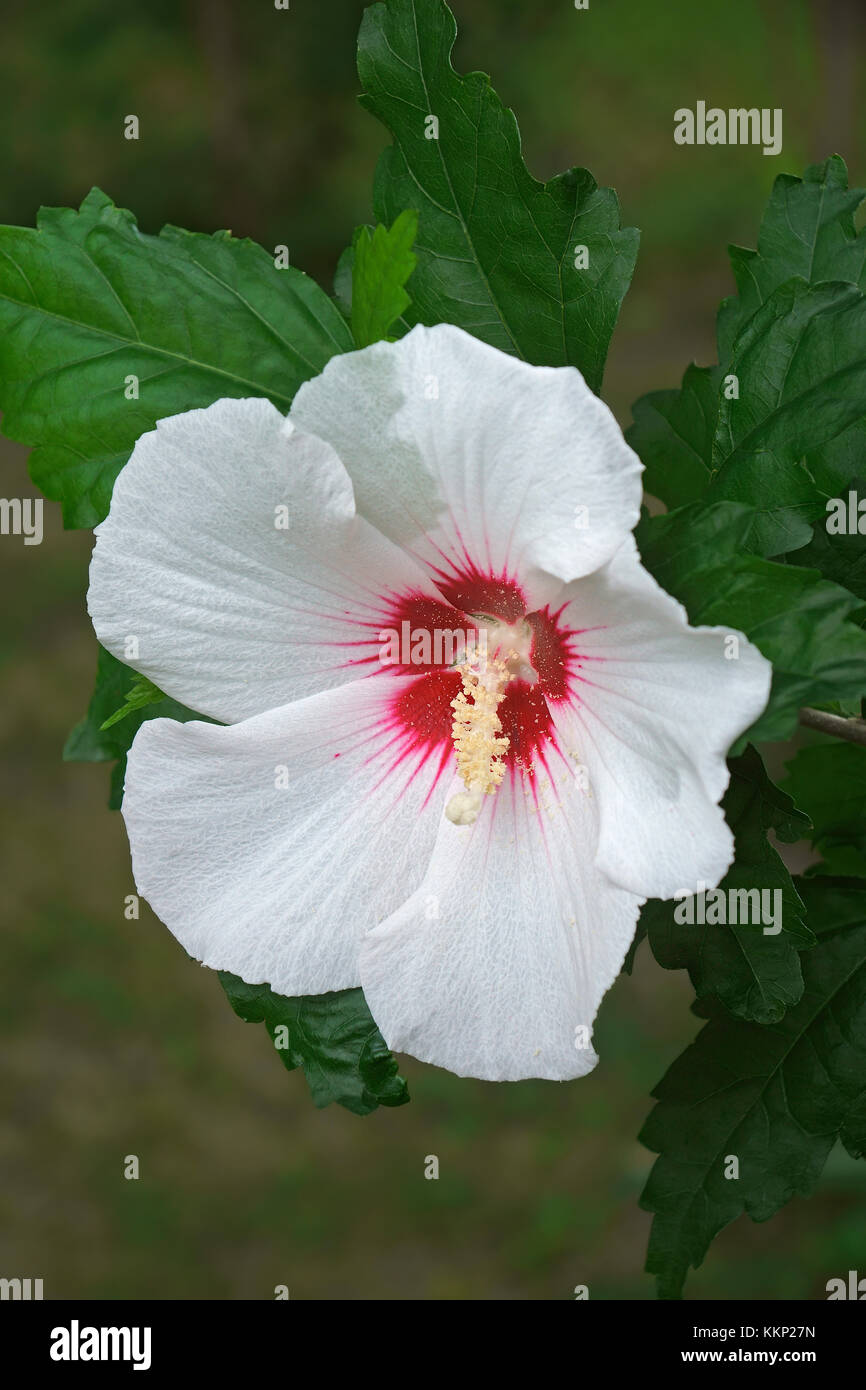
x,y
477,868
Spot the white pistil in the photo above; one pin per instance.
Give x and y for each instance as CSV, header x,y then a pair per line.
x,y
477,734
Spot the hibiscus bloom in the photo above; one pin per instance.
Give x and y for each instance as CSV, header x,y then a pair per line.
x,y
468,836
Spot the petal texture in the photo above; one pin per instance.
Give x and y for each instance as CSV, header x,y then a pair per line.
x,y
656,705
269,847
233,559
475,460
496,966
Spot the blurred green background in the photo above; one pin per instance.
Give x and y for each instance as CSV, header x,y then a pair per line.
x,y
113,1043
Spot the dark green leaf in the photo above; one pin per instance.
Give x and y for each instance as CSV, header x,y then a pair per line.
x,y
784,409
838,464
775,1098
332,1036
807,230
381,264
496,248
840,556
754,974
88,302
673,432
829,781
800,365
678,544
101,736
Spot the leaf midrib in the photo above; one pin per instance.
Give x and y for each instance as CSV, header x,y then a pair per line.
x,y
459,211
139,343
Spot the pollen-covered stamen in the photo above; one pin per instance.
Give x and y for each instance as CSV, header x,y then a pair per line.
x,y
476,731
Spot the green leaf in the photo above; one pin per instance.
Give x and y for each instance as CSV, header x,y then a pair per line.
x,y
800,364
88,302
381,265
343,276
101,737
807,230
840,556
496,249
754,975
829,781
774,1098
673,432
795,345
678,544
142,693
800,367
801,622
332,1036
838,464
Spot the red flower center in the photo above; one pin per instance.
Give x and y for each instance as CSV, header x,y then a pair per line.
x,y
429,634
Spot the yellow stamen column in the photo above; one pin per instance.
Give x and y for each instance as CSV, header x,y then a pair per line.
x,y
477,734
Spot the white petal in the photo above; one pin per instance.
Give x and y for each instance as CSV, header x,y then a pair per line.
x,y
268,847
496,966
658,706
466,455
229,612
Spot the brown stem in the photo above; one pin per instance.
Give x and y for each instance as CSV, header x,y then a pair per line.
x,y
854,730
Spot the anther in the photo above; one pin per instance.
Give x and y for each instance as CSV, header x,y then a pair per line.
x,y
476,730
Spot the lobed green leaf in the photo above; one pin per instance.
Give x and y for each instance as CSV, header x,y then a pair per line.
x,y
497,250
104,330
773,1099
